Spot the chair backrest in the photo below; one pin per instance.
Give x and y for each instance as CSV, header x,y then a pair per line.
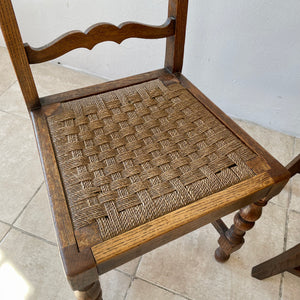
x,y
22,54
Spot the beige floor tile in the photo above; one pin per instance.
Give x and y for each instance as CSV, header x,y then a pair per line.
x,y
187,265
36,218
141,290
7,75
293,234
114,285
279,145
51,79
21,173
12,101
295,197
3,230
282,198
130,267
31,269
290,287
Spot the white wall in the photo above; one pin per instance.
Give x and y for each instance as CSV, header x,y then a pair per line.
x,y
244,55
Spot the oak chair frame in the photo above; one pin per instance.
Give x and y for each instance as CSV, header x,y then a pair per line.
x,y
83,266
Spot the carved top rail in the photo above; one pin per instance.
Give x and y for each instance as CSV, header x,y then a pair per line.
x,y
96,34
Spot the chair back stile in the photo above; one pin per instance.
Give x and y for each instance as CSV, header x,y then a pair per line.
x,y
12,36
22,55
135,163
175,44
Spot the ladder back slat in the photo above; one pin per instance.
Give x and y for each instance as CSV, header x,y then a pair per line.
x,y
97,34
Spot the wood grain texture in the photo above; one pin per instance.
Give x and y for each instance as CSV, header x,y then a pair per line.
x,y
294,166
220,226
80,267
175,44
91,292
232,239
142,239
103,87
96,34
60,211
17,54
287,261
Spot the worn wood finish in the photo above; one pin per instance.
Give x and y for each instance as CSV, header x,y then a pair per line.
x,y
17,53
91,292
287,261
232,239
220,226
96,34
84,258
187,221
60,211
294,166
175,44
142,239
103,87
80,267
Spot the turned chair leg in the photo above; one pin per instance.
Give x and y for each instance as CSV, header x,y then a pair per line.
x,y
91,292
232,239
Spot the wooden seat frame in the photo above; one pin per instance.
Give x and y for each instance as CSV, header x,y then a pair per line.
x,y
83,267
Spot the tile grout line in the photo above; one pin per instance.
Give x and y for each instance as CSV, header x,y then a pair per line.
x,y
132,277
286,224
35,236
8,87
8,112
11,225
5,235
29,201
14,114
27,233
120,271
153,284
164,288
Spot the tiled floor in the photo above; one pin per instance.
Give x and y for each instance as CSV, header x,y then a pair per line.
x,y
30,266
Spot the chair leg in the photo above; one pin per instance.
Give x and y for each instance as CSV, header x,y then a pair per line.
x,y
91,292
286,261
233,238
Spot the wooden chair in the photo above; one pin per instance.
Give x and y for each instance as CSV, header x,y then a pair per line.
x,y
287,261
135,163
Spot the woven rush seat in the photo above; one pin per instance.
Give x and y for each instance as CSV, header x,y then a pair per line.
x,y
135,163
131,155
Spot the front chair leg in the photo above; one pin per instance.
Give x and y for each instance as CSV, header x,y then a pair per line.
x,y
91,292
233,238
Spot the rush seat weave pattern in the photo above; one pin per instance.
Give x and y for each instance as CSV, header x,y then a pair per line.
x,y
134,154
